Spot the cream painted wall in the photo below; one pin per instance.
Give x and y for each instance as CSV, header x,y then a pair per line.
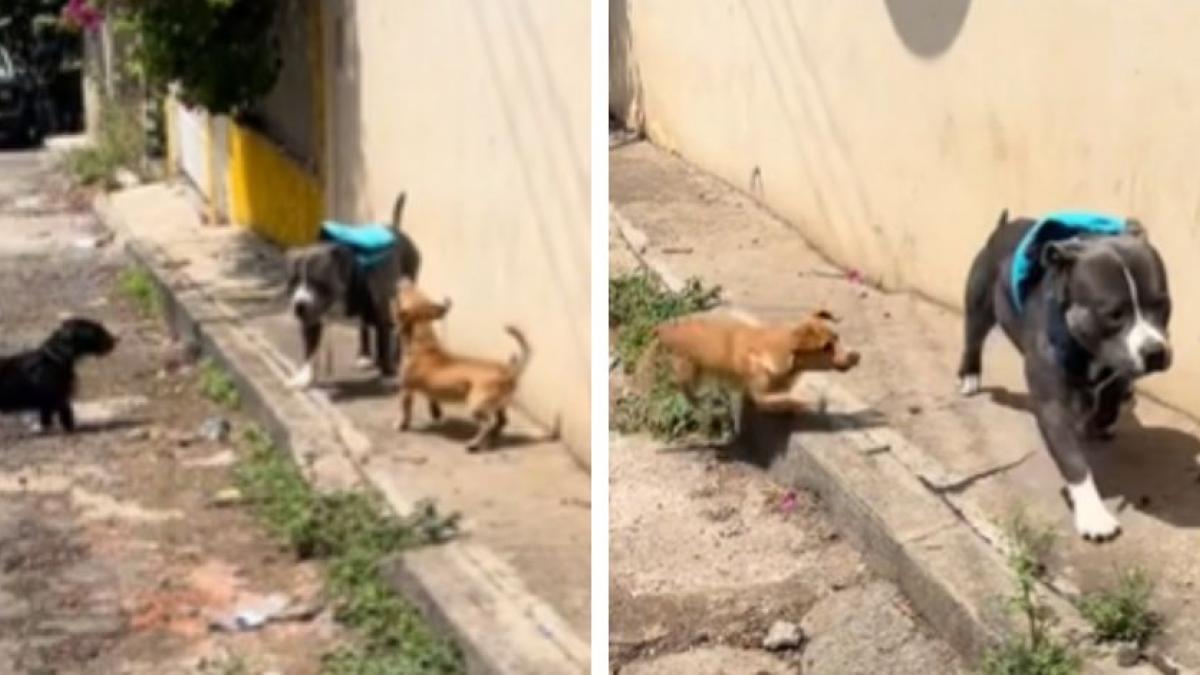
x,y
479,109
892,133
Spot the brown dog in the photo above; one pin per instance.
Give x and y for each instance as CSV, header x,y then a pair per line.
x,y
762,360
486,387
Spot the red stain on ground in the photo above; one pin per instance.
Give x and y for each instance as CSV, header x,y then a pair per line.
x,y
186,608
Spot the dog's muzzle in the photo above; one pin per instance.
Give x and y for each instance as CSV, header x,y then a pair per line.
x,y
303,303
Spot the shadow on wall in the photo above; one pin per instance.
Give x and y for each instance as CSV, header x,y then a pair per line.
x,y
347,161
928,27
624,81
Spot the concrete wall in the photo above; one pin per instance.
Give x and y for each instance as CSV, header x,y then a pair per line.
x,y
892,133
480,111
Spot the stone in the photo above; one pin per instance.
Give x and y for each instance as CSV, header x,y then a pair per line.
x,y
215,429
783,635
1128,654
227,497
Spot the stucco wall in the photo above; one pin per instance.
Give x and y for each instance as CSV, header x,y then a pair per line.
x,y
892,133
480,111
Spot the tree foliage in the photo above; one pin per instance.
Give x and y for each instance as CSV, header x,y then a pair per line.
x,y
25,23
223,54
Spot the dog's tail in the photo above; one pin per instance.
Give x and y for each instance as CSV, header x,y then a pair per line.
x,y
1003,219
518,362
398,210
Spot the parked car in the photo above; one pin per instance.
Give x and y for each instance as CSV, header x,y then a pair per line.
x,y
20,98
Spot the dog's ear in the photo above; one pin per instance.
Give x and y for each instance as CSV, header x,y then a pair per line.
x,y
810,336
1135,228
1060,254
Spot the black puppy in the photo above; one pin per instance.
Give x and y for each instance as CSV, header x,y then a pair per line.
x,y
43,379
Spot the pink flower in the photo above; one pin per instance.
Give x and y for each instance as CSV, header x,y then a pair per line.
x,y
788,503
80,14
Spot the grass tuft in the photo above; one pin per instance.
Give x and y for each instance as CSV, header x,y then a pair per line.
x,y
137,284
1122,613
217,386
352,532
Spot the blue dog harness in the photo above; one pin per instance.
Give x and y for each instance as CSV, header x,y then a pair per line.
x,y
1027,259
370,243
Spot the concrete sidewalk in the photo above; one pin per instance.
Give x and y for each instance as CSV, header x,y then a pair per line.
x,y
516,589
981,456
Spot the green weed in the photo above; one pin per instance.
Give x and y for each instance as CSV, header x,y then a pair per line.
x,y
1037,651
216,385
637,302
352,532
665,413
137,284
1122,613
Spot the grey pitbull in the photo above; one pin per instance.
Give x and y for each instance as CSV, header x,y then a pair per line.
x,y
343,273
1088,310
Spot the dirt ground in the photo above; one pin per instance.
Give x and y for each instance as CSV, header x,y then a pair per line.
x,y
114,555
706,556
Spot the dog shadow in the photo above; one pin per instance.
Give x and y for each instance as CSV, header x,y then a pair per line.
x,y
462,431
360,389
25,428
762,437
1152,468
83,427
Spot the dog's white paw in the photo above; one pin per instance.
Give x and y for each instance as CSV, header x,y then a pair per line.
x,y
1093,521
364,363
303,378
1096,524
969,385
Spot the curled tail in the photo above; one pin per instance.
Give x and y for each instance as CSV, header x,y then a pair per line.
x,y
519,361
398,210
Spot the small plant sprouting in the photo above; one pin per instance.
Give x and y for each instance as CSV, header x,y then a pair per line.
x,y
1122,613
1037,651
136,284
217,386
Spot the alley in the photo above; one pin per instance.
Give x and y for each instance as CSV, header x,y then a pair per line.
x,y
714,564
114,557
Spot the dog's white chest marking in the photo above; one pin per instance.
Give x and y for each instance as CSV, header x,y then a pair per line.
x,y
1092,519
1142,333
303,295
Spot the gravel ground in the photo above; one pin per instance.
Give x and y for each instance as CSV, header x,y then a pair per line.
x,y
113,556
